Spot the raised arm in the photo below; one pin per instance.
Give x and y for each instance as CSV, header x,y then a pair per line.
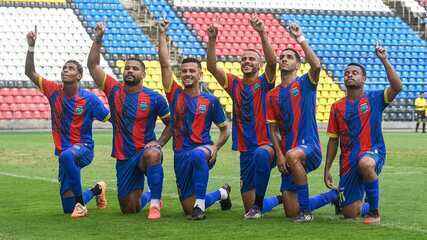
x,y
270,57
392,76
164,57
93,59
330,157
218,73
30,69
311,57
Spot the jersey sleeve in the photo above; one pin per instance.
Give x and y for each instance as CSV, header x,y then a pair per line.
x,y
218,113
266,84
307,83
100,112
379,99
162,108
333,123
48,87
228,85
108,84
271,112
173,89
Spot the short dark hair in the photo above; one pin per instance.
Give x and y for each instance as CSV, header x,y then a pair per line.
x,y
136,60
253,50
297,56
78,65
358,65
192,60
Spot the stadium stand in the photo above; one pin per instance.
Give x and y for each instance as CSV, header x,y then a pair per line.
x,y
60,37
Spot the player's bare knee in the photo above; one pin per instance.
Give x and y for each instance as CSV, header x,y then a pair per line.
x,y
152,157
366,165
351,212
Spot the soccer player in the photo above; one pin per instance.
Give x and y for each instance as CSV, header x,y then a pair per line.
x,y
291,114
192,114
73,110
355,123
134,111
420,111
250,133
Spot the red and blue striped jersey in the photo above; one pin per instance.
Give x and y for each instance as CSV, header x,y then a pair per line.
x,y
249,112
357,124
293,110
133,116
72,117
192,117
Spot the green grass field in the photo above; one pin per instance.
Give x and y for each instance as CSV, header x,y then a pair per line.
x,y
30,205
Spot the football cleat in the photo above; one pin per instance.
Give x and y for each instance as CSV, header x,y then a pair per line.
x,y
226,203
79,211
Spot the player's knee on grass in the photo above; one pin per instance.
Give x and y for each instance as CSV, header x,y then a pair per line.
x,y
366,167
152,156
352,210
290,204
187,205
131,203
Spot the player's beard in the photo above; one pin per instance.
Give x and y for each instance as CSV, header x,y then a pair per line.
x,y
132,83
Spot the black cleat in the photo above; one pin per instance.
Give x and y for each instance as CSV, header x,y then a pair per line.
x,y
198,214
226,203
338,203
303,217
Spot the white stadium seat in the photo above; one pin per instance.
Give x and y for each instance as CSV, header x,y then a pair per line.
x,y
60,37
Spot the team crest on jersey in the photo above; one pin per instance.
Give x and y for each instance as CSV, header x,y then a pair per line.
x,y
202,108
364,107
295,91
256,86
79,110
144,106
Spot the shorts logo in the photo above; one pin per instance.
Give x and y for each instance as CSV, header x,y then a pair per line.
x,y
295,91
256,86
144,106
202,108
364,107
79,110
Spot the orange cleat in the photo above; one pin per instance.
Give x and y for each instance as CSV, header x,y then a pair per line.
x,y
79,211
154,213
101,199
372,218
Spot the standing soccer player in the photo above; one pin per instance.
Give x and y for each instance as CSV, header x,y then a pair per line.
x,y
195,154
73,111
291,114
134,111
355,123
250,133
420,111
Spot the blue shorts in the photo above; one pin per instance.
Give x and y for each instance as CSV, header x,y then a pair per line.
x,y
83,156
129,176
247,170
352,182
184,170
312,162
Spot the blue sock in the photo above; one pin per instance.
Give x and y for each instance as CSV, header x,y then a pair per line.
x,y
269,204
322,199
364,209
145,198
72,171
155,180
87,196
372,194
68,204
201,173
212,198
302,191
262,174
